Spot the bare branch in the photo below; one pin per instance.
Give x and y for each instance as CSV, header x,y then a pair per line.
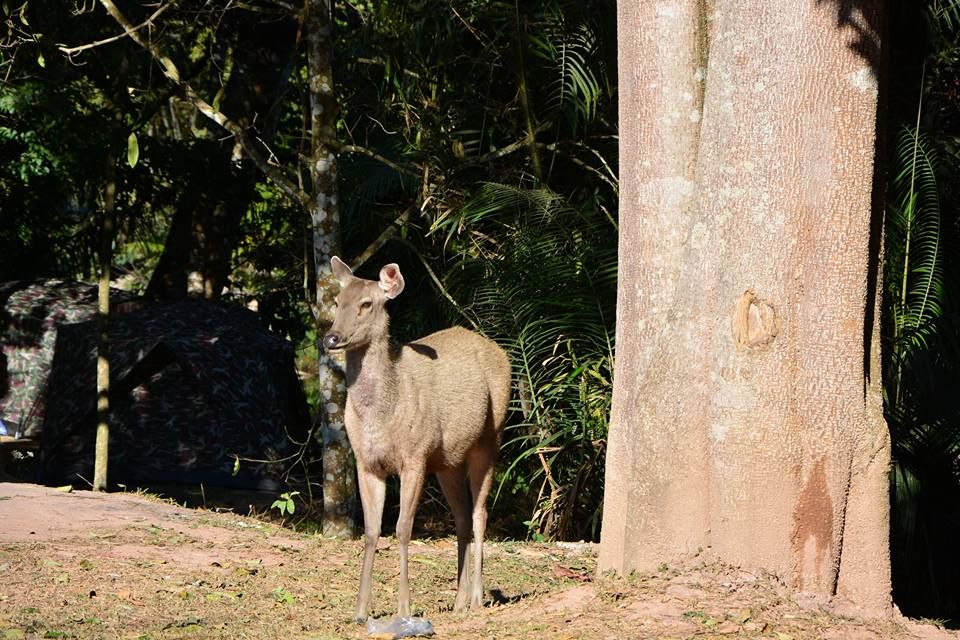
x,y
440,288
383,238
580,163
353,148
507,150
274,174
70,51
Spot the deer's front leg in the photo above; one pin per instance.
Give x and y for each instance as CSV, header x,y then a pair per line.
x,y
411,484
372,494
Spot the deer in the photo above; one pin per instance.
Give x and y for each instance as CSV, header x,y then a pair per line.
x,y
435,405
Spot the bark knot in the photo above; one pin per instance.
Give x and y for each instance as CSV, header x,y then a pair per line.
x,y
755,322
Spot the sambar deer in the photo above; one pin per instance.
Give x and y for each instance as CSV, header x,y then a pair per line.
x,y
435,405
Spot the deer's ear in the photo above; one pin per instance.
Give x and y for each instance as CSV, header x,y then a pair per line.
x,y
340,269
391,280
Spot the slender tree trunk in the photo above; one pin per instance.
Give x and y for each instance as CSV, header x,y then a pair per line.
x,y
339,483
101,454
169,279
519,48
746,420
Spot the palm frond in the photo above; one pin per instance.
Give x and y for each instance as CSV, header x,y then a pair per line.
x,y
569,55
915,262
945,15
548,291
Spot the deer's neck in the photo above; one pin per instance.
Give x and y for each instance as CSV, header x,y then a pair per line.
x,y
371,376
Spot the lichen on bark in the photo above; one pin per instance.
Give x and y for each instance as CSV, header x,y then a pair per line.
x,y
339,484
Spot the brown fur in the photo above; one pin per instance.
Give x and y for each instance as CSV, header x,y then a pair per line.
x,y
436,405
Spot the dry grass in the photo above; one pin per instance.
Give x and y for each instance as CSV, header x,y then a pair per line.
x,y
161,571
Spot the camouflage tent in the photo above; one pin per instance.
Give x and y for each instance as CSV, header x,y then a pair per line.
x,y
194,385
30,313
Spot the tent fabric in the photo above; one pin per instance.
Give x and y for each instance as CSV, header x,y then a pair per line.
x,y
194,385
30,314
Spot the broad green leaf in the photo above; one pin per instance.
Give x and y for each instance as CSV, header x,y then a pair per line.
x,y
133,152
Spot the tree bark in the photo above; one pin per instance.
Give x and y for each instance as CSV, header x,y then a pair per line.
x,y
339,483
746,419
169,278
105,257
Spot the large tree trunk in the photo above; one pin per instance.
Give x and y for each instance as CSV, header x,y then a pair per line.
x,y
339,484
746,416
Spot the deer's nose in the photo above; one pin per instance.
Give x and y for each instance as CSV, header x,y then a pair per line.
x,y
332,340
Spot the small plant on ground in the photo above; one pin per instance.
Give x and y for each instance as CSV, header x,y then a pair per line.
x,y
285,504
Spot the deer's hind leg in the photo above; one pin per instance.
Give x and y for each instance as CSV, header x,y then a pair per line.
x,y
453,482
481,462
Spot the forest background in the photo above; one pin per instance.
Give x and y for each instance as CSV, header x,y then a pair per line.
x,y
475,143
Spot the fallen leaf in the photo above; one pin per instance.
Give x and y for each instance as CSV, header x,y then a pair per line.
x,y
561,571
126,596
426,561
191,621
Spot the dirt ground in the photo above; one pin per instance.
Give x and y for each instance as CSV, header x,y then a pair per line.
x,y
84,565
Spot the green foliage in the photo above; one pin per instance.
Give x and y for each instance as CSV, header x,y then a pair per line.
x,y
922,330
573,88
914,263
282,596
495,119
48,182
285,503
548,295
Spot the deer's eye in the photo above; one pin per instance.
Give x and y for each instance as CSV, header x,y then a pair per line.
x,y
365,304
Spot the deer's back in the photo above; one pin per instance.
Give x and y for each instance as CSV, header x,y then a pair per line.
x,y
458,383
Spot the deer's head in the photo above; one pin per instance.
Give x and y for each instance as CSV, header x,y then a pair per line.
x,y
361,317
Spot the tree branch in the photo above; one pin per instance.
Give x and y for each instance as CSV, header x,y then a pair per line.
x,y
353,148
273,173
383,238
70,51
